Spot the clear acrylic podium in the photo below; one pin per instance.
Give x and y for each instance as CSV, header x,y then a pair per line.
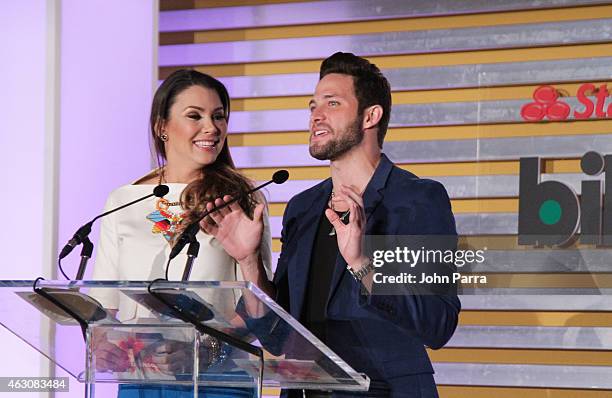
x,y
236,326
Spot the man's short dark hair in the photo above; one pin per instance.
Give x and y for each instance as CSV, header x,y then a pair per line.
x,y
371,87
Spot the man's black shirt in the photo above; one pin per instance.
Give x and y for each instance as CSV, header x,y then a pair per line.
x,y
325,251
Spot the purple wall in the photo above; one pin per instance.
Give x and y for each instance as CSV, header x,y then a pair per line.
x,y
22,111
108,72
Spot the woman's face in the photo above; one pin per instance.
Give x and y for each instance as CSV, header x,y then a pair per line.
x,y
196,128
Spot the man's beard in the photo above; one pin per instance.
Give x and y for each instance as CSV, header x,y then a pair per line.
x,y
339,144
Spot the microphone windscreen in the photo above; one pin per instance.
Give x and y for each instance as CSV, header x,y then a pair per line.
x,y
161,190
280,176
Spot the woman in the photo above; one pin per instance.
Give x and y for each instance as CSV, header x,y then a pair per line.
x,y
188,120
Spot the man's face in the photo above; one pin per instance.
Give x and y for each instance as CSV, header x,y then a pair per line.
x,y
335,127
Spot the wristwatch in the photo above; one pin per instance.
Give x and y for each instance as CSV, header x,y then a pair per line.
x,y
365,269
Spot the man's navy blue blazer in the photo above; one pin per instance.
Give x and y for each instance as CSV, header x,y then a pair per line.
x,y
383,336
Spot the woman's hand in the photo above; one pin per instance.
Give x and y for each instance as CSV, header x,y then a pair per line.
x,y
171,357
238,234
109,357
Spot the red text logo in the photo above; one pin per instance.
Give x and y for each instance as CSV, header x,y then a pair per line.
x,y
547,104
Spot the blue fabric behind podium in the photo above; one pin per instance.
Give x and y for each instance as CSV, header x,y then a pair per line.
x,y
168,391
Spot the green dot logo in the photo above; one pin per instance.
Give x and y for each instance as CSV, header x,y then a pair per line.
x,y
550,212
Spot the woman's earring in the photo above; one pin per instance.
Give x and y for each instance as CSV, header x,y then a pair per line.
x,y
163,136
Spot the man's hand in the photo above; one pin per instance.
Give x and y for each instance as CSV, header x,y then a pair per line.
x,y
238,234
350,236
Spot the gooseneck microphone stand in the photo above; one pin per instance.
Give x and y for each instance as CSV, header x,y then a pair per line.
x,y
189,234
192,252
81,235
86,253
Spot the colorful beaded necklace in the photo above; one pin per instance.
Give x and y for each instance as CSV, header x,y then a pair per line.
x,y
165,222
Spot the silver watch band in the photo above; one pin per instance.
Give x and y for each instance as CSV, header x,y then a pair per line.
x,y
361,272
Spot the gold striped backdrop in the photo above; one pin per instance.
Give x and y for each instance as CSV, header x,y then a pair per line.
x,y
429,133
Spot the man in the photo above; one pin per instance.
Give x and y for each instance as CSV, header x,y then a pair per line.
x,y
323,276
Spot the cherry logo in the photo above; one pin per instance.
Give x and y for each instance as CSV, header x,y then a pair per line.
x,y
546,104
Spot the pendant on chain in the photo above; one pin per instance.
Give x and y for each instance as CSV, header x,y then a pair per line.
x,y
342,218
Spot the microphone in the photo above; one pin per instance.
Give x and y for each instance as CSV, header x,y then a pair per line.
x,y
190,232
81,234
278,177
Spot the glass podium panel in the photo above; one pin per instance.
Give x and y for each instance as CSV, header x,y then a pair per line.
x,y
149,341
